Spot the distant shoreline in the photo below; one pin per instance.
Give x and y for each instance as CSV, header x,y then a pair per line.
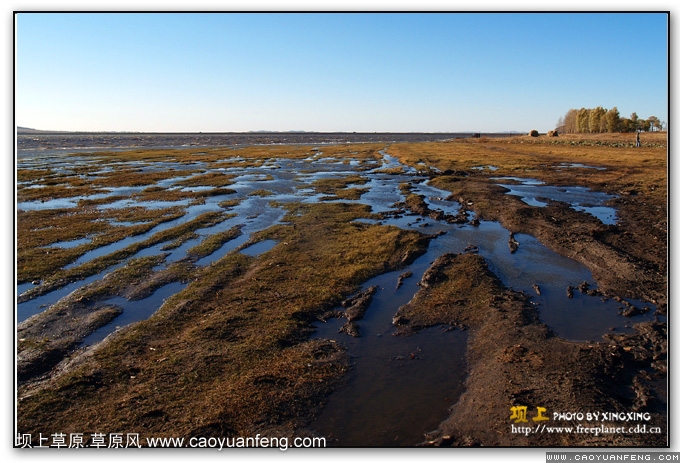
x,y
27,131
96,141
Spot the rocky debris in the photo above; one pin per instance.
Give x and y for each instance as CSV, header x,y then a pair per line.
x,y
357,304
417,205
350,328
584,288
399,320
460,218
537,289
632,311
513,244
648,347
436,215
629,310
330,314
471,248
402,277
435,273
409,256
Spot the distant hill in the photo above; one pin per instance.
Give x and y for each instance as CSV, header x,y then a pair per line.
x,y
24,130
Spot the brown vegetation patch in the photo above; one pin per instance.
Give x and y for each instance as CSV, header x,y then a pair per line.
x,y
133,177
629,258
516,361
62,277
216,179
37,230
214,242
232,347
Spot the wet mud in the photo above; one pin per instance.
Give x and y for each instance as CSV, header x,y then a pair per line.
x,y
378,296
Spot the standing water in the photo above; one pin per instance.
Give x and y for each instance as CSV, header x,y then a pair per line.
x,y
399,386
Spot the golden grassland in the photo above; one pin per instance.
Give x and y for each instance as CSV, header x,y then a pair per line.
x,y
233,344
338,188
60,277
231,355
214,242
626,165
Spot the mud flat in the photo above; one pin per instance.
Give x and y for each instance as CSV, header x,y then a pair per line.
x,y
200,291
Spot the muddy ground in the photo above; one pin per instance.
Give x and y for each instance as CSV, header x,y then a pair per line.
x,y
514,359
231,355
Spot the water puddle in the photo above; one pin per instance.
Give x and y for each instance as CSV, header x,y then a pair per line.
x,y
535,193
124,203
133,311
399,387
59,203
258,248
576,165
39,304
70,244
223,251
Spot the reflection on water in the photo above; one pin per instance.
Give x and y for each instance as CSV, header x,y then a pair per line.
x,y
535,193
399,387
258,248
290,180
133,311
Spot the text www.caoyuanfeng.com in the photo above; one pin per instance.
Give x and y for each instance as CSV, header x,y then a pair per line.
x,y
118,440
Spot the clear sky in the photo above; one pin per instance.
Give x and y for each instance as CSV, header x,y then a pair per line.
x,y
428,72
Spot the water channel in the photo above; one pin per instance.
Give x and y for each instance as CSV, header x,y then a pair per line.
x,y
398,387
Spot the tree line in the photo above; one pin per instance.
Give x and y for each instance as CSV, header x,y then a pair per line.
x,y
600,120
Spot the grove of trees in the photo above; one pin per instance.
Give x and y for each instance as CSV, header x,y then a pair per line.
x,y
600,120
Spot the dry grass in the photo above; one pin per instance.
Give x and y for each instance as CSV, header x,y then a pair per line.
x,y
37,230
338,188
214,242
62,277
231,349
216,179
230,355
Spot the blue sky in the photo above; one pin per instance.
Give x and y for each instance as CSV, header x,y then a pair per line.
x,y
427,72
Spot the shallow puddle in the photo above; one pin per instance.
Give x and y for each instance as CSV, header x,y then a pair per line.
x,y
133,311
535,193
576,165
41,303
399,387
70,244
258,248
